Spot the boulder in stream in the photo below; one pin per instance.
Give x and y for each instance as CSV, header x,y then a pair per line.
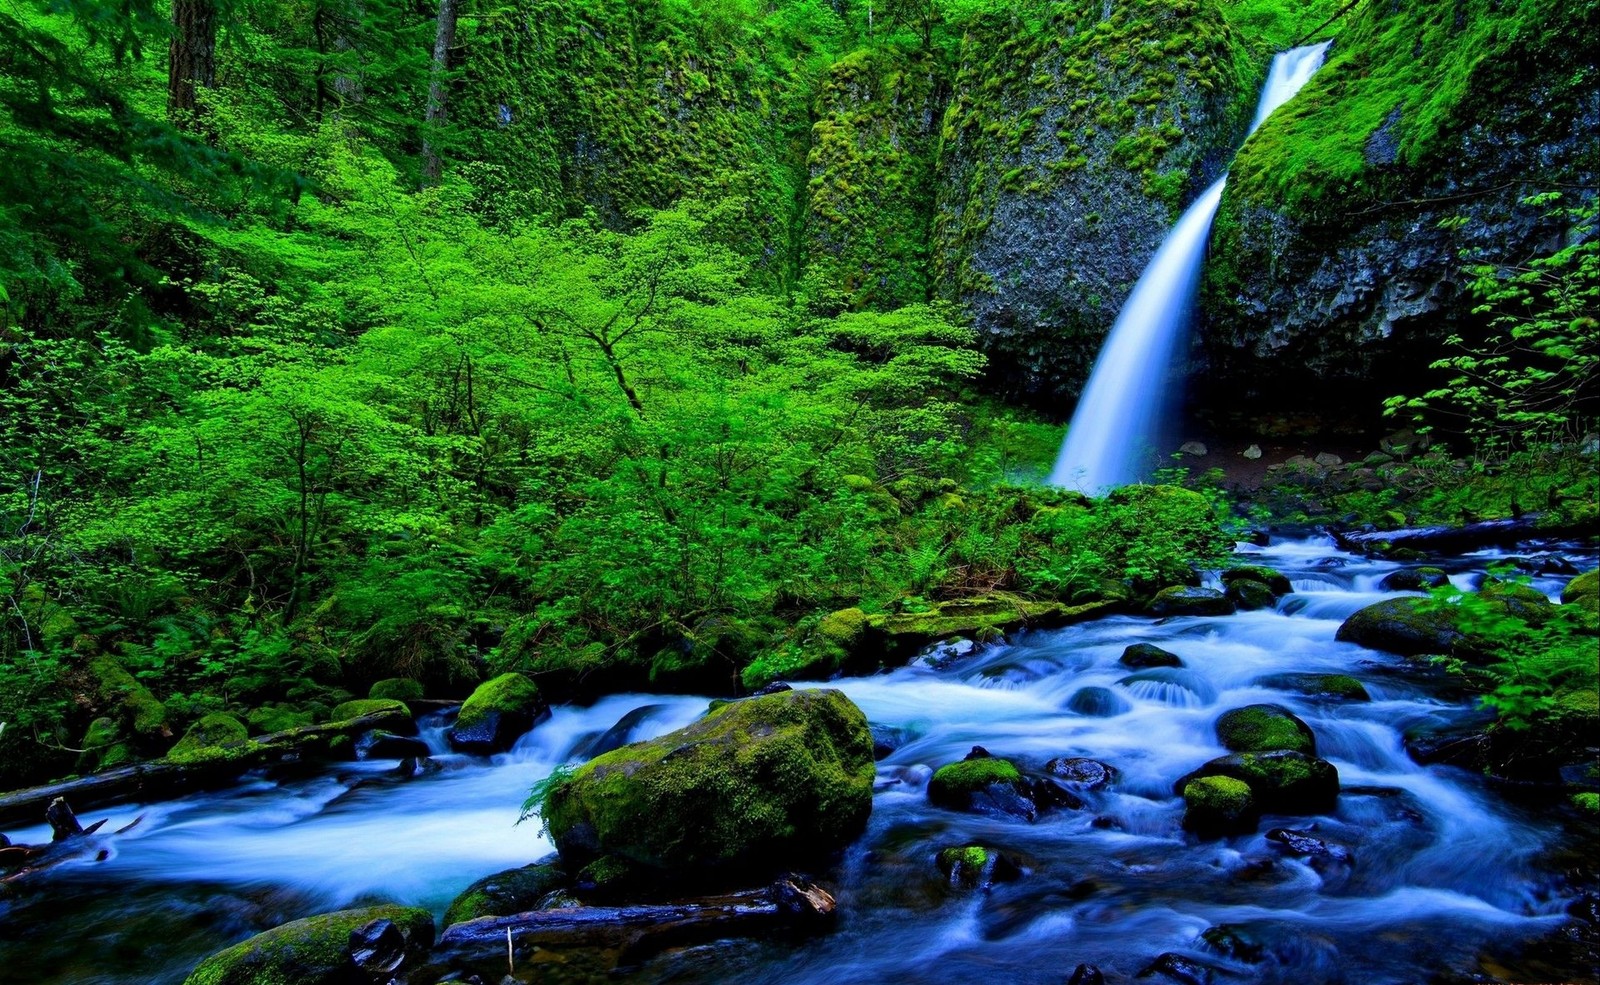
x,y
1090,774
1263,728
1186,600
754,785
504,893
976,867
1341,686
320,950
1097,702
1142,656
1414,579
1283,782
1177,968
1276,581
1219,805
984,785
497,714
1250,595
1407,626
217,736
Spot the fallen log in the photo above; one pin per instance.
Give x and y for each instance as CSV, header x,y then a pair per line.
x,y
164,778
791,903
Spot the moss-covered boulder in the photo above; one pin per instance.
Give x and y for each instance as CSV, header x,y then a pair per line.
x,y
314,951
396,689
1406,626
1276,581
976,866
1414,579
497,714
1263,728
983,784
1341,686
1187,600
1097,702
216,736
1583,590
508,892
753,786
394,715
1282,782
1141,656
1250,595
1219,805
143,718
104,747
268,719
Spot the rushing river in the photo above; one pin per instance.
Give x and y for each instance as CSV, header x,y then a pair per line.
x,y
1440,865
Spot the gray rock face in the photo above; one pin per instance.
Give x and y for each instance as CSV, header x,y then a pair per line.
x,y
1066,162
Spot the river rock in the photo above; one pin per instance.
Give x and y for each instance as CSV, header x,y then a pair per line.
x,y
1300,843
1583,592
1252,453
1414,580
1283,782
397,689
1341,686
754,784
216,736
1219,805
984,785
1186,600
1141,656
1250,595
1406,626
1272,578
1231,942
1263,728
1087,974
379,744
1091,774
1178,968
508,892
497,714
975,866
620,734
1097,702
321,950
945,652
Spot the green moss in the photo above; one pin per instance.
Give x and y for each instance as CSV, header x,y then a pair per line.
x,y
954,781
313,951
397,689
508,693
215,736
135,705
277,718
1262,728
1215,805
362,707
1587,802
757,782
1583,591
1275,580
505,893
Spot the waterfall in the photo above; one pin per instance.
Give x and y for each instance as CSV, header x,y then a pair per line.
x,y
1115,426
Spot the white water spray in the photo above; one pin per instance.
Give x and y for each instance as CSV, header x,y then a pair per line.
x,y
1115,425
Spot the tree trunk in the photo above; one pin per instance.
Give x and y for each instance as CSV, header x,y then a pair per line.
x,y
443,39
192,56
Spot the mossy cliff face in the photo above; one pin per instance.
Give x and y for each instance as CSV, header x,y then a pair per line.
x,y
871,192
1069,148
757,784
1337,256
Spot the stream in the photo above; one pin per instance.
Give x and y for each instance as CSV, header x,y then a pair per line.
x,y
1440,863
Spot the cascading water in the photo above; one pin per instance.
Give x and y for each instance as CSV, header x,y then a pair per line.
x,y
1115,426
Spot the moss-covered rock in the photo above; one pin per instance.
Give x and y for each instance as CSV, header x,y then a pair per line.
x,y
1186,600
1275,580
1341,686
1219,805
104,747
131,703
277,718
313,951
1407,626
1414,579
975,866
1250,595
1141,656
508,892
1282,782
1263,728
1583,590
984,784
216,736
497,714
394,715
396,689
753,786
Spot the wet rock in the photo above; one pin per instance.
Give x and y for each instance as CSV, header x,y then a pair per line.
x,y
379,744
1301,843
497,714
985,785
1583,590
1406,626
1050,794
776,687
1231,942
1414,580
1086,974
1544,564
1091,774
396,716
320,950
886,739
1263,728
1341,686
759,782
1171,685
1215,806
1273,579
1140,656
1097,702
378,948
945,652
508,892
976,867
1250,595
620,734
1186,600
1282,782
1178,968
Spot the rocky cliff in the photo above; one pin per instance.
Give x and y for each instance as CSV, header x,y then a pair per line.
x,y
1337,261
